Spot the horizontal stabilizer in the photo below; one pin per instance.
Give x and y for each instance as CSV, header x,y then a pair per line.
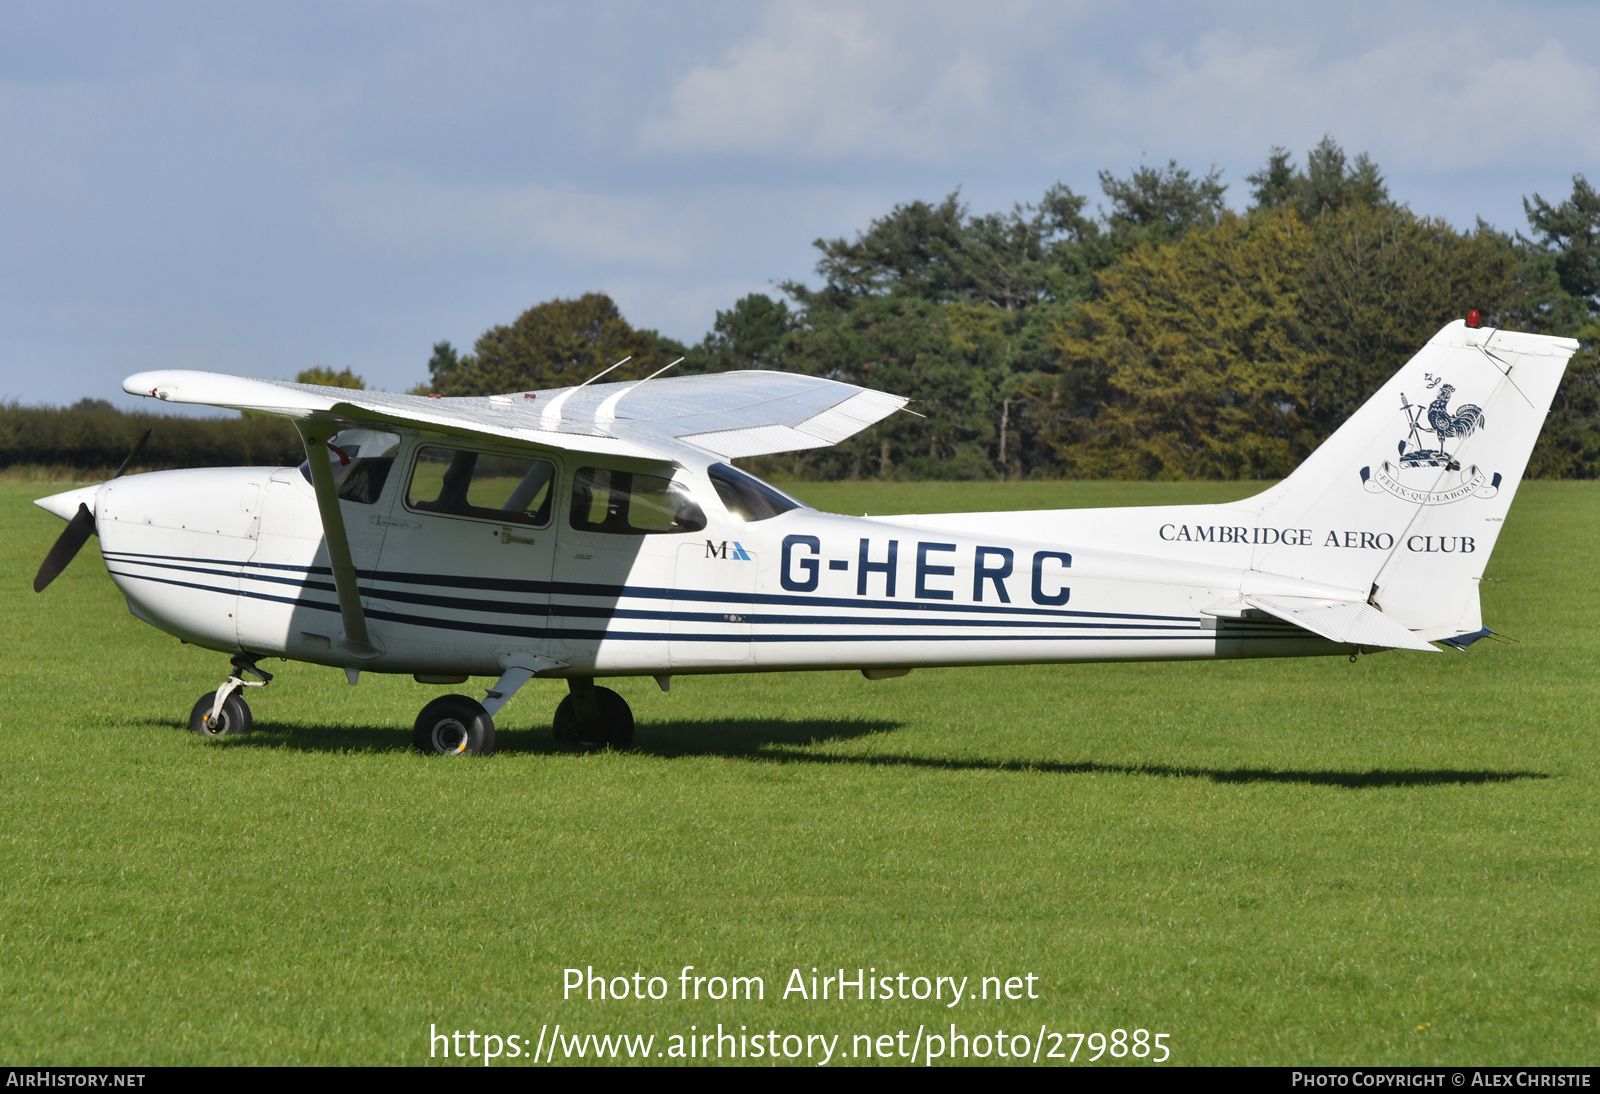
x,y
1347,623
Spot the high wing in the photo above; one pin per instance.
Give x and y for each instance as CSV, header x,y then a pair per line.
x,y
725,414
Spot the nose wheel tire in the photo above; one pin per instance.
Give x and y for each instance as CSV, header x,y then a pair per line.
x,y
454,725
232,720
612,726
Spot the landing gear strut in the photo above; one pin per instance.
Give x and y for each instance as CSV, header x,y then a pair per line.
x,y
593,718
455,725
224,713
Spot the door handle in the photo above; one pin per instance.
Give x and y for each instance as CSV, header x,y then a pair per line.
x,y
507,537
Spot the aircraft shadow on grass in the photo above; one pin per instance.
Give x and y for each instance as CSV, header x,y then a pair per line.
x,y
790,741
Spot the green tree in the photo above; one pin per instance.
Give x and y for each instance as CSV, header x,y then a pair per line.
x,y
952,310
943,254
751,334
329,378
1377,284
1562,271
1234,350
555,344
1187,362
944,356
1329,181
1570,233
1161,203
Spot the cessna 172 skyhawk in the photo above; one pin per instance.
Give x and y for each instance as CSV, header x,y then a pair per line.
x,y
600,531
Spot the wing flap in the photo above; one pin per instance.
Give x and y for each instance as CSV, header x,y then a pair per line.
x,y
1347,623
850,417
758,440
845,419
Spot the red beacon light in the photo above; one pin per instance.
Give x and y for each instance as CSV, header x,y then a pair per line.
x,y
1474,318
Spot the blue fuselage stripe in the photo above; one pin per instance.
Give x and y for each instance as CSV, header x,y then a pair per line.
x,y
1154,627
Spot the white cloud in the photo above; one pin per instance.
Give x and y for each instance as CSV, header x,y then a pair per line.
x,y
825,81
414,217
1423,103
937,84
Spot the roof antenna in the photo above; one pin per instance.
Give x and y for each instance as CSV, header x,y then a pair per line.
x,y
552,410
658,372
603,371
608,409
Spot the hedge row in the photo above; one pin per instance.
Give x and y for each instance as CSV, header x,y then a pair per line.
x,y
94,435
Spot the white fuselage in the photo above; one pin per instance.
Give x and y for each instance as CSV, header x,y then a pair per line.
x,y
235,560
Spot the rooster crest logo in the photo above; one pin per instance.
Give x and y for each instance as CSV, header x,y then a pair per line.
x,y
1436,476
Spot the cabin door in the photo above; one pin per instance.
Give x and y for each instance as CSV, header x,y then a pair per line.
x,y
465,571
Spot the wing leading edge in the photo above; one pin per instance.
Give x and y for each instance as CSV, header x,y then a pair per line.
x,y
728,414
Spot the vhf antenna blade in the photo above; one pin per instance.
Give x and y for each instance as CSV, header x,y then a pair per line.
x,y
607,411
605,370
551,415
659,371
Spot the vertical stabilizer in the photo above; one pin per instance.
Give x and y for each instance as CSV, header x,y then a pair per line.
x,y
1409,495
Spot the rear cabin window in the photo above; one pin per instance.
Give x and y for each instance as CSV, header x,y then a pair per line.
x,y
478,484
632,503
746,496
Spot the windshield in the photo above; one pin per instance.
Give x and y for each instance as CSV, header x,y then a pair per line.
x,y
746,496
361,459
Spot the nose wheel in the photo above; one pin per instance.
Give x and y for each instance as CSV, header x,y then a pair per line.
x,y
224,713
232,719
592,718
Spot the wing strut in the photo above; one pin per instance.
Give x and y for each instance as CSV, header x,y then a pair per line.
x,y
315,436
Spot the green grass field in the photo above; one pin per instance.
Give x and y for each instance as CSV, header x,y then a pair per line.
x,y
1310,861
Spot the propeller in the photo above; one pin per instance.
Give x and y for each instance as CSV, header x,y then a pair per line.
x,y
79,528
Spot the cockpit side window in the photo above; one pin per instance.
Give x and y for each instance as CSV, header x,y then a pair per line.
x,y
746,496
479,484
632,503
361,460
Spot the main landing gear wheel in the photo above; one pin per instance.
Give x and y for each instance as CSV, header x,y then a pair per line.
x,y
593,718
454,725
232,720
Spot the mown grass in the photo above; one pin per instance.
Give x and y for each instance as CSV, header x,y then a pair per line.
x,y
1273,862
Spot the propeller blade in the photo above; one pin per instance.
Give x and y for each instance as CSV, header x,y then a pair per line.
x,y
134,452
79,529
66,548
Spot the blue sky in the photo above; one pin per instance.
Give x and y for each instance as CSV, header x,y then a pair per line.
x,y
259,189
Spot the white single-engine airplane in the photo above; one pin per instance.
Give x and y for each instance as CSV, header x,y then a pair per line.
x,y
600,530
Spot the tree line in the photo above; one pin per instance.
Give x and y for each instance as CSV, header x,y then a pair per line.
x,y
1161,335
93,435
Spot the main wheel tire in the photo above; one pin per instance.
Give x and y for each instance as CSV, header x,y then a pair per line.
x,y
613,729
454,725
232,720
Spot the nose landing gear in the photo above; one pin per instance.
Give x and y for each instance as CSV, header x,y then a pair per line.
x,y
224,713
